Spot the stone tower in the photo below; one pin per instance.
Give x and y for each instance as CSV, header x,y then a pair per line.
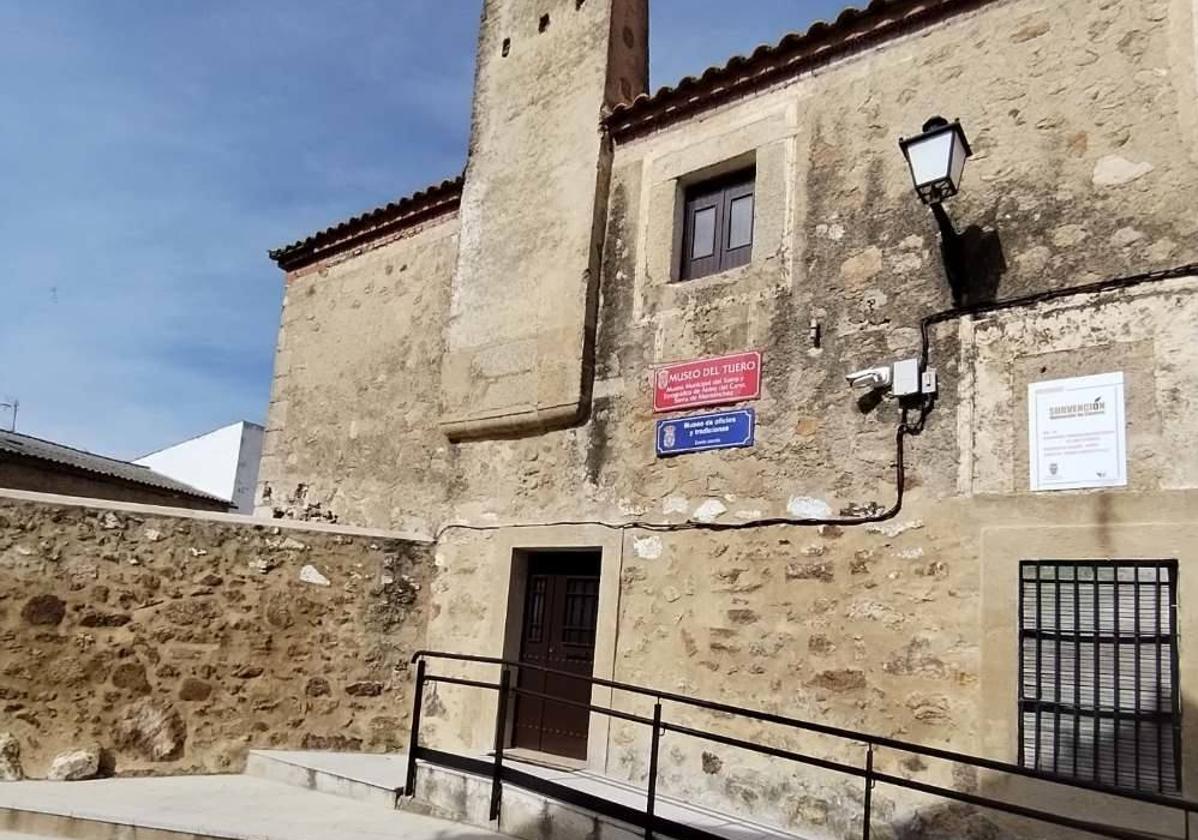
x,y
522,314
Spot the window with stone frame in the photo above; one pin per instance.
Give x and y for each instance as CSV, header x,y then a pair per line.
x,y
717,225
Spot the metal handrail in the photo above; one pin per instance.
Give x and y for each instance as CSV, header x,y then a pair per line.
x,y
871,742
825,729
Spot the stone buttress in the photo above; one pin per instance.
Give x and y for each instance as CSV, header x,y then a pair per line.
x,y
522,314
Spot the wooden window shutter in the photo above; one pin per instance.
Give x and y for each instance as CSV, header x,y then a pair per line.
x,y
718,225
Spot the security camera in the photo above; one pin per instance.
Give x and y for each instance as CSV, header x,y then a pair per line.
x,y
870,378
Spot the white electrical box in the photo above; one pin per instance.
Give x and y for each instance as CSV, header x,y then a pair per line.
x,y
930,385
906,378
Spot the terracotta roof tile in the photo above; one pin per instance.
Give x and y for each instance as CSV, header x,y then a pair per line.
x,y
852,30
418,206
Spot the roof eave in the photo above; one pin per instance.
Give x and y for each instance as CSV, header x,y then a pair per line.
x,y
853,31
367,227
165,485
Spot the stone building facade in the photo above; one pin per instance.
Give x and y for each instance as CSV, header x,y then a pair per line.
x,y
475,362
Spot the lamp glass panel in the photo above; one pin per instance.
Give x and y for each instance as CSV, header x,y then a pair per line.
x,y
930,157
958,164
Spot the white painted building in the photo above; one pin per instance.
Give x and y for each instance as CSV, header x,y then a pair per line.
x,y
223,462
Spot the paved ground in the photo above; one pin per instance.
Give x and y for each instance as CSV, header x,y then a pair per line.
x,y
239,807
264,805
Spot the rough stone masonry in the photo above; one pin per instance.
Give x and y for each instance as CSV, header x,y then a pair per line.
x,y
135,642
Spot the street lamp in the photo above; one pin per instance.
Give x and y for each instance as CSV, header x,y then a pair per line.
x,y
937,161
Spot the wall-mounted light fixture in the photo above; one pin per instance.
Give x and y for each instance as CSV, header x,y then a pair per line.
x,y
937,161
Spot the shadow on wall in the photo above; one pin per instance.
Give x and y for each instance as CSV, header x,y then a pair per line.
x,y
898,814
1137,754
954,821
964,822
810,805
980,264
983,264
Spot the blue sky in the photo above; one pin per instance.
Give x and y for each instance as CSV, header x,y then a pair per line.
x,y
151,152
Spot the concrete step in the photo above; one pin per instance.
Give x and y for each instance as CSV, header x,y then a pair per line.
x,y
207,808
378,779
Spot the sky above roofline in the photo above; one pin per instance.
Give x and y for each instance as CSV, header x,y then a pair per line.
x,y
154,152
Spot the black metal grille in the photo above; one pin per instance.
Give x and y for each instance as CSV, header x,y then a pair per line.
x,y
536,608
1098,672
582,607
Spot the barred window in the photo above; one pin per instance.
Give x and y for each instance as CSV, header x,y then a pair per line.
x,y
1098,672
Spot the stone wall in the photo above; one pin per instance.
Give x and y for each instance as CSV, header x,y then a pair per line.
x,y
907,629
174,645
521,317
874,629
352,431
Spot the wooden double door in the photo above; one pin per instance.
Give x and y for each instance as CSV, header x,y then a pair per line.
x,y
561,608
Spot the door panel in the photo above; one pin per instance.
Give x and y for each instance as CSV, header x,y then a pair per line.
x,y
560,614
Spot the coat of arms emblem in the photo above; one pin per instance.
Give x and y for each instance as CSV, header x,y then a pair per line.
x,y
668,437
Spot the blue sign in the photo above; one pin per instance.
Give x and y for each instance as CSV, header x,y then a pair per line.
x,y
723,430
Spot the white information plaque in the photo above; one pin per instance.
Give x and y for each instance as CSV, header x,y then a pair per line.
x,y
1077,433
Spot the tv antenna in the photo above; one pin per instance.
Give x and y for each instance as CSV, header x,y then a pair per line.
x,y
12,405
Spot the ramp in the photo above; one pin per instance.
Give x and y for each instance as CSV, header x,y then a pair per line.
x,y
541,802
208,808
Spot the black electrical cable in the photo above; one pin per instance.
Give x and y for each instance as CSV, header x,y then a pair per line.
x,y
1188,270
774,521
904,428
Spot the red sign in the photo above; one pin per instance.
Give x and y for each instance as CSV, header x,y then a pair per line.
x,y
724,379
